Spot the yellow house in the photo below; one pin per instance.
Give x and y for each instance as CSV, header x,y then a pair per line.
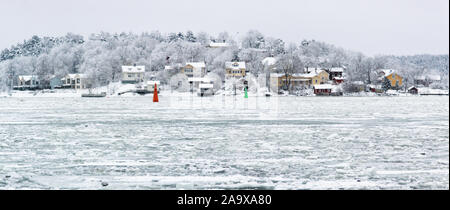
x,y
194,69
395,79
235,69
298,80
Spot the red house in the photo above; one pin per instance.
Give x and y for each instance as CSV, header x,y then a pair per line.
x,y
323,90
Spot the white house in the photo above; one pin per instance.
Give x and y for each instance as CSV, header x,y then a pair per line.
x,y
196,81
133,74
28,82
337,75
76,81
428,77
150,86
218,44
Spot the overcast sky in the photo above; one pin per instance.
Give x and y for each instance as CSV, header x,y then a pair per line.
x,y
400,27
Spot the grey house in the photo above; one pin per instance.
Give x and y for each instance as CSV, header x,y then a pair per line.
x,y
55,82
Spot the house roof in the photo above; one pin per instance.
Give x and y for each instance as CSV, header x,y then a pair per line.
x,y
199,79
434,77
133,69
196,64
72,76
310,74
338,78
421,77
358,82
307,75
205,85
235,65
218,44
375,86
324,86
153,82
27,77
312,69
413,87
387,72
337,69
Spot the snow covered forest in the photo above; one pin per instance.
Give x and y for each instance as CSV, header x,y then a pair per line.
x,y
102,55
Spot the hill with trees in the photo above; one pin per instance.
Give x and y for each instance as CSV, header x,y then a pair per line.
x,y
102,55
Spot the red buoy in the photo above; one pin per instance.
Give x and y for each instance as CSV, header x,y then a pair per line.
x,y
155,94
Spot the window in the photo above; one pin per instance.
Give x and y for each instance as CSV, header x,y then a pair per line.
x,y
235,64
78,80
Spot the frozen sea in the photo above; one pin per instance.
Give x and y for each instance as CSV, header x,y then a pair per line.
x,y
224,142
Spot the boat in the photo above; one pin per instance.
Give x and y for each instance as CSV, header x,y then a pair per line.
x,y
268,94
94,95
205,90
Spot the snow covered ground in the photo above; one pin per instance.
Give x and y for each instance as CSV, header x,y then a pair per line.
x,y
224,142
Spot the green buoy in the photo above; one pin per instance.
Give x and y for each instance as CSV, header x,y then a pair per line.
x,y
246,94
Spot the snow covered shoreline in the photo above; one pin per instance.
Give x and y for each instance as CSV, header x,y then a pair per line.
x,y
78,93
122,90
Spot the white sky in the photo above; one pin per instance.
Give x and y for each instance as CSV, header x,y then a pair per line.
x,y
400,27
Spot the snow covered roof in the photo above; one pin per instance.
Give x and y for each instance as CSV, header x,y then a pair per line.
x,y
310,74
270,61
387,72
392,92
205,85
73,76
337,69
196,64
358,82
153,82
301,80
421,77
325,86
168,67
434,77
412,87
27,77
311,69
307,75
218,44
235,65
199,79
277,75
133,69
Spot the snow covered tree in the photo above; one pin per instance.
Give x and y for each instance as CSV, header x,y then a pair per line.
x,y
386,85
253,39
190,37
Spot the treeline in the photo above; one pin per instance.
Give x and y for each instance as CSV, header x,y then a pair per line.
x,y
102,55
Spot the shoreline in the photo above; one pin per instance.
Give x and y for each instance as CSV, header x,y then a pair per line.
x,y
77,94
